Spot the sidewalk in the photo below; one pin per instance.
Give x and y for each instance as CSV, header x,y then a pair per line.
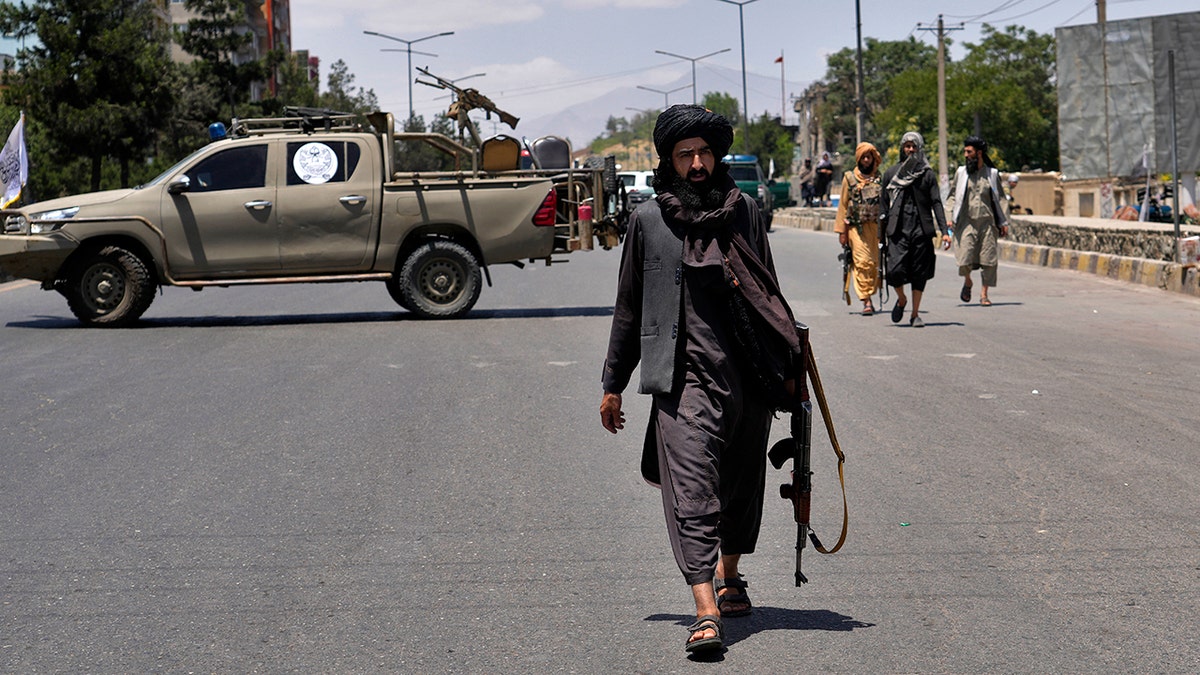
x,y
1122,250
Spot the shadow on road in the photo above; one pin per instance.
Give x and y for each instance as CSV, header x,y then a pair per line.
x,y
55,322
773,618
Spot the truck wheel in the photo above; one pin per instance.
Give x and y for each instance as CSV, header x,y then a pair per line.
x,y
111,287
440,280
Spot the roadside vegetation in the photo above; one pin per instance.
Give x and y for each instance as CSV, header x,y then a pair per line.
x,y
1003,90
105,105
631,140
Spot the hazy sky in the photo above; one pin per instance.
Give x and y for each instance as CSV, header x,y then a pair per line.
x,y
540,56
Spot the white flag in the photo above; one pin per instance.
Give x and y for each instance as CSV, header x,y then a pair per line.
x,y
14,164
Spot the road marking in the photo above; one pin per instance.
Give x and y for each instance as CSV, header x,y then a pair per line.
x,y
16,284
561,363
961,356
884,357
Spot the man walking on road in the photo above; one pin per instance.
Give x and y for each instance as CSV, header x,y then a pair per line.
x,y
977,219
695,266
911,214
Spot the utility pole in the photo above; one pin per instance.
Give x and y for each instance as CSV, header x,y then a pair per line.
x,y
859,104
943,154
1101,12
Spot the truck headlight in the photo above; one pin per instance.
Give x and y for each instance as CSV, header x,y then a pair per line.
x,y
57,214
17,224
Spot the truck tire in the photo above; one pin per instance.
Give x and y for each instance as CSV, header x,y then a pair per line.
x,y
111,287
439,280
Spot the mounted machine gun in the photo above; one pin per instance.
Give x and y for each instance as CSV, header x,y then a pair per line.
x,y
466,100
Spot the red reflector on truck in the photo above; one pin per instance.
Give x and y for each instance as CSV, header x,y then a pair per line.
x,y
545,215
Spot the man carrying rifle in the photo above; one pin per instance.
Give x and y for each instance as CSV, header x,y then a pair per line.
x,y
698,305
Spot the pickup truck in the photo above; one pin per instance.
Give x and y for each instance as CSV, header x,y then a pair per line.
x,y
304,198
746,172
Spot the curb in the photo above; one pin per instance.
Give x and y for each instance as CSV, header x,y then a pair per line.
x,y
1168,276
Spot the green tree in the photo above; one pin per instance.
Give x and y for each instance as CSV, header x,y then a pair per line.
x,y
723,104
770,141
340,93
882,62
220,46
1003,90
99,72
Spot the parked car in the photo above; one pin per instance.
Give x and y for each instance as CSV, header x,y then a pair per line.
x,y
638,187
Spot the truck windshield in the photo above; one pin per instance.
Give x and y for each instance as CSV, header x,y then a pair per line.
x,y
744,173
163,176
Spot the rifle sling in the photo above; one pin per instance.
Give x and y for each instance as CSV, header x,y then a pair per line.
x,y
837,449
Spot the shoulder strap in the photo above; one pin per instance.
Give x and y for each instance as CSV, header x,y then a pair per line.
x,y
837,449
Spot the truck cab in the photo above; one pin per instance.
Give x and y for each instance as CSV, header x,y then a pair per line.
x,y
750,179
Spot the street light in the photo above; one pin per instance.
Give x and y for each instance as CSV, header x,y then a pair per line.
x,y
408,48
693,60
666,94
745,103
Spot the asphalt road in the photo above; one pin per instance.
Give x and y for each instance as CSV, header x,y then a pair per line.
x,y
303,479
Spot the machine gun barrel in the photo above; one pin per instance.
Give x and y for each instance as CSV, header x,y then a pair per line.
x,y
466,100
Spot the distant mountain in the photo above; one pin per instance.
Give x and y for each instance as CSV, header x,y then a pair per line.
x,y
583,122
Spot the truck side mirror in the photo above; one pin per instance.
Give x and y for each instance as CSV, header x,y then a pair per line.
x,y
179,185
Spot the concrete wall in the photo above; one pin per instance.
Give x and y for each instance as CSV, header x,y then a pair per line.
x,y
1126,251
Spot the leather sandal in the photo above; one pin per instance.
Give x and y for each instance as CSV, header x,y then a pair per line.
x,y
736,598
706,622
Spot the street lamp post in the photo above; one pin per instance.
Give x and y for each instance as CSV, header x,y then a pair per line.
x,y
745,103
408,48
666,94
693,60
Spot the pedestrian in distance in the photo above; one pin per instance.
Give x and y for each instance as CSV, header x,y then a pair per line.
x,y
911,215
977,218
807,178
696,264
857,223
823,180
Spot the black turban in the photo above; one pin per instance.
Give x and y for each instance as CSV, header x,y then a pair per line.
x,y
980,146
692,121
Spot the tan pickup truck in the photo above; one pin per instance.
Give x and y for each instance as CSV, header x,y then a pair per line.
x,y
310,198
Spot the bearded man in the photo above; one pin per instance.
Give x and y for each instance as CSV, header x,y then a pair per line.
x,y
977,218
690,257
911,214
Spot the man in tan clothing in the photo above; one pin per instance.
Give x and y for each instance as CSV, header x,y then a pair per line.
x,y
858,221
977,218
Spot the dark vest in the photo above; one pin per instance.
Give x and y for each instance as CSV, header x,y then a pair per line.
x,y
662,296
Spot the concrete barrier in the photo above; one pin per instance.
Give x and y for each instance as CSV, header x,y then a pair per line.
x,y
1036,233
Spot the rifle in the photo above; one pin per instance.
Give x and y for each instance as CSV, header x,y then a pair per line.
x,y
466,100
798,448
847,260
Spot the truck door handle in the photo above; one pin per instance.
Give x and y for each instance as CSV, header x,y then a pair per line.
x,y
353,200
258,205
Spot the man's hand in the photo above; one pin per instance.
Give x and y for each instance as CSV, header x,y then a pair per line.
x,y
1003,231
610,412
843,238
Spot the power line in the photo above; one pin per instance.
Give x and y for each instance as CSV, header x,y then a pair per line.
x,y
971,19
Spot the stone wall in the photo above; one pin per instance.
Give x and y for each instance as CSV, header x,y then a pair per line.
x,y
1140,253
1152,241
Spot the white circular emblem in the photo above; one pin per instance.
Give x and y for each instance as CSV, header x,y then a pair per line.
x,y
315,163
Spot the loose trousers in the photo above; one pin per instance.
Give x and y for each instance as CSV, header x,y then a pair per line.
x,y
865,250
712,464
